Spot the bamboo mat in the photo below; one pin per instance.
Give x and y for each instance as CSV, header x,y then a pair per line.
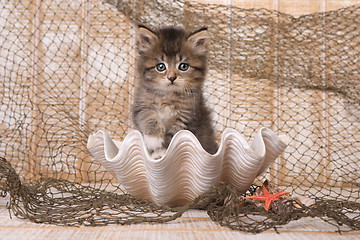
x,y
194,224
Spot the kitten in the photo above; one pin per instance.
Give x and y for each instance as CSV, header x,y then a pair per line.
x,y
168,94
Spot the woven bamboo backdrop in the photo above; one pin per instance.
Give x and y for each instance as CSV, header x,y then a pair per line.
x,y
67,70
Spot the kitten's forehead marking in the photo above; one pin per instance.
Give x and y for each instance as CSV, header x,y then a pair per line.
x,y
171,40
160,59
168,59
182,58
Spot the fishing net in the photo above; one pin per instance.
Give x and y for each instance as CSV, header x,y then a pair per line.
x,y
67,70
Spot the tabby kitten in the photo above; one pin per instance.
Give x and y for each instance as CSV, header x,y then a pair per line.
x,y
168,94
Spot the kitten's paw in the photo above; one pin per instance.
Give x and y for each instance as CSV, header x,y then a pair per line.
x,y
153,142
155,145
159,153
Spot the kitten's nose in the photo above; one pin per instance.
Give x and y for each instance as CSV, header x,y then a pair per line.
x,y
171,78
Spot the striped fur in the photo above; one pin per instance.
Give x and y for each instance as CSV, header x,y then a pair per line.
x,y
170,100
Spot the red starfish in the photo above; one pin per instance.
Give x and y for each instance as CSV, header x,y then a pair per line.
x,y
267,197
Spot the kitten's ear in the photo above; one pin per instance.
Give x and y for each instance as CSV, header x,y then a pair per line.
x,y
146,38
198,40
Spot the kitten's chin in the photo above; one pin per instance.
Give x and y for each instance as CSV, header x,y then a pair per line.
x,y
172,87
178,90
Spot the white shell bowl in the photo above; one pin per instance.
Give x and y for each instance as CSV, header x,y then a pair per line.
x,y
187,170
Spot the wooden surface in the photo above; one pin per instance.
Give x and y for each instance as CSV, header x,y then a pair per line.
x,y
194,224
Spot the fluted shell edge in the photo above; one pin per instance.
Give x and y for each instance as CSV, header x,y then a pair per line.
x,y
186,170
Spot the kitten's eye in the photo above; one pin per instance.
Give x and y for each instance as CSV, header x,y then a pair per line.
x,y
183,67
161,67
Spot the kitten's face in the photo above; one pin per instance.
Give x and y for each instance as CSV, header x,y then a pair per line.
x,y
172,61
